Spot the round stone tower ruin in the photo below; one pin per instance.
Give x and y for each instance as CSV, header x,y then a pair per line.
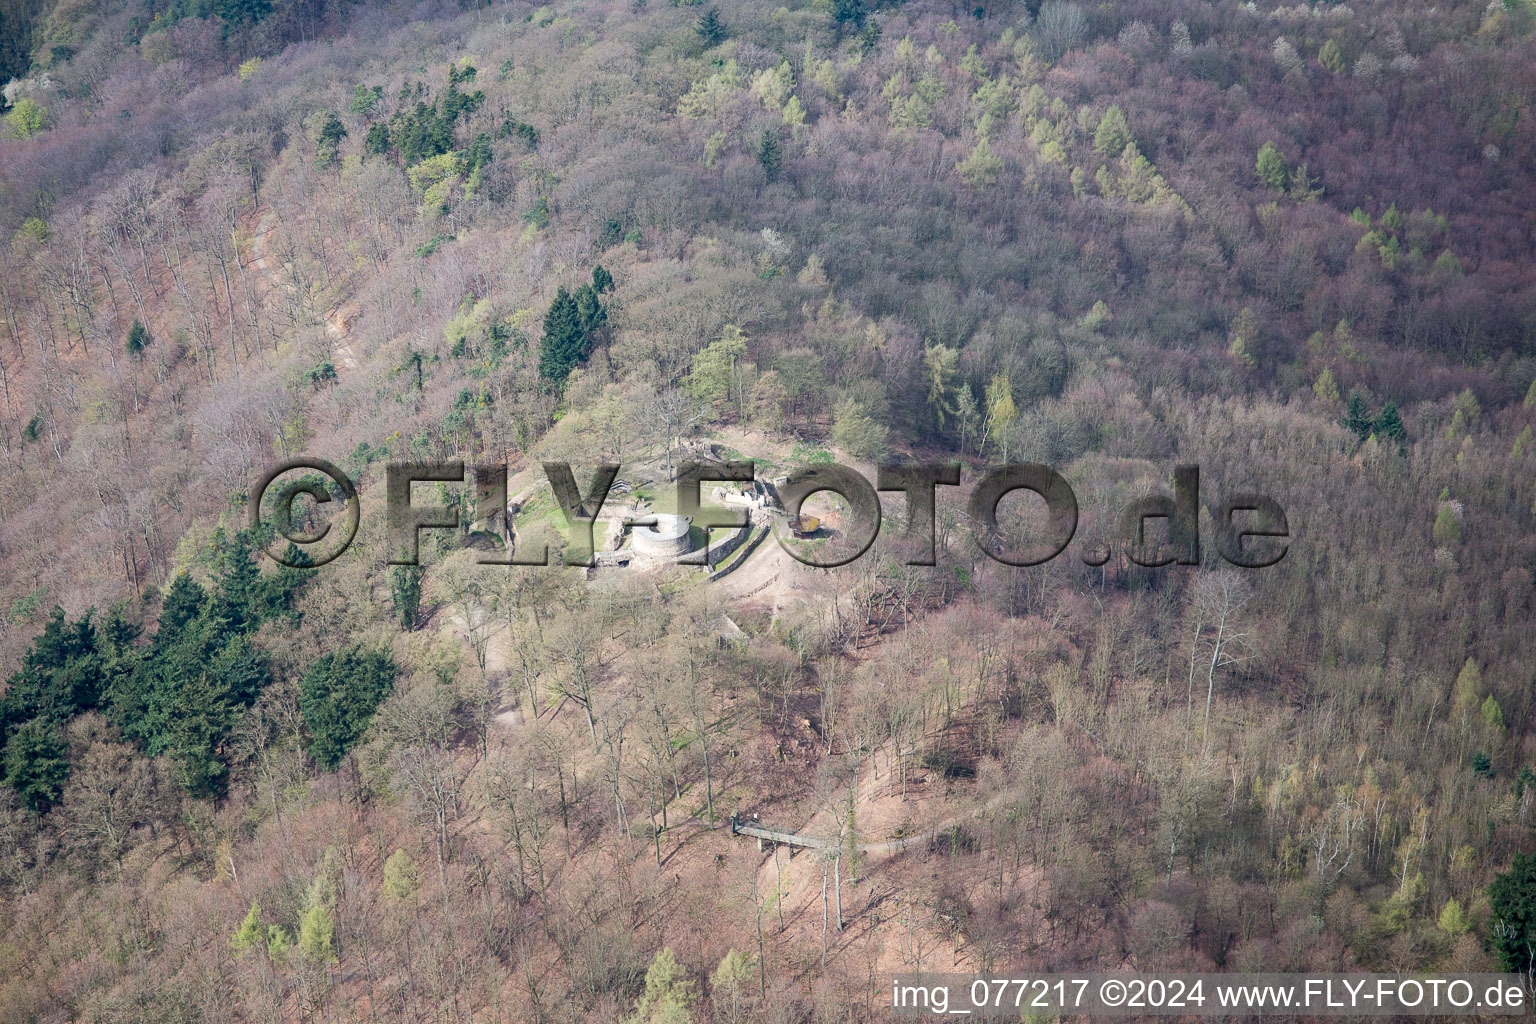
x,y
664,538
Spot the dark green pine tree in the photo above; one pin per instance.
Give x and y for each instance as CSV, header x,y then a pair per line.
x,y
37,763
591,314
183,603
239,12
480,152
60,675
328,139
279,588
185,695
769,153
455,103
849,12
203,707
709,27
377,140
240,595
602,281
338,696
420,132
138,337
1512,897
117,640
1390,424
564,340
405,591
1357,419
117,634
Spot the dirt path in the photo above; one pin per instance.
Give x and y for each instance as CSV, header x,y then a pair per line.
x,y
768,577
897,845
337,322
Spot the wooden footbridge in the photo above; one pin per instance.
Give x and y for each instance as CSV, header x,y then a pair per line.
x,y
763,834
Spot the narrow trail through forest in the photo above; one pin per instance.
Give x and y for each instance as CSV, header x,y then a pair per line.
x,y
337,321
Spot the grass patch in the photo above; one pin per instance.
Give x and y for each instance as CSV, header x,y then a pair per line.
x,y
810,455
737,556
680,581
660,498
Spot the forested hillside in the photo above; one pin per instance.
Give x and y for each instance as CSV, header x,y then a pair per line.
x,y
1292,245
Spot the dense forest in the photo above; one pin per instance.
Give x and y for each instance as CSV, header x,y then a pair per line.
x,y
1292,245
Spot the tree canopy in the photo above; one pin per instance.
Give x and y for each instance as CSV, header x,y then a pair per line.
x,y
338,696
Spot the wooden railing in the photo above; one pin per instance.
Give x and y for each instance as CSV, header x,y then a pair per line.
x,y
773,835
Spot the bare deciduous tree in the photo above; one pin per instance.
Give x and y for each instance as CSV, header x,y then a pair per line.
x,y
1219,600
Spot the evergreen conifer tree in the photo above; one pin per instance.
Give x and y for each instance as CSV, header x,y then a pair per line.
x,y
250,933
37,763
710,28
1326,389
1357,419
138,337
338,696
317,935
1114,132
183,603
770,153
1389,424
561,348
1272,168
